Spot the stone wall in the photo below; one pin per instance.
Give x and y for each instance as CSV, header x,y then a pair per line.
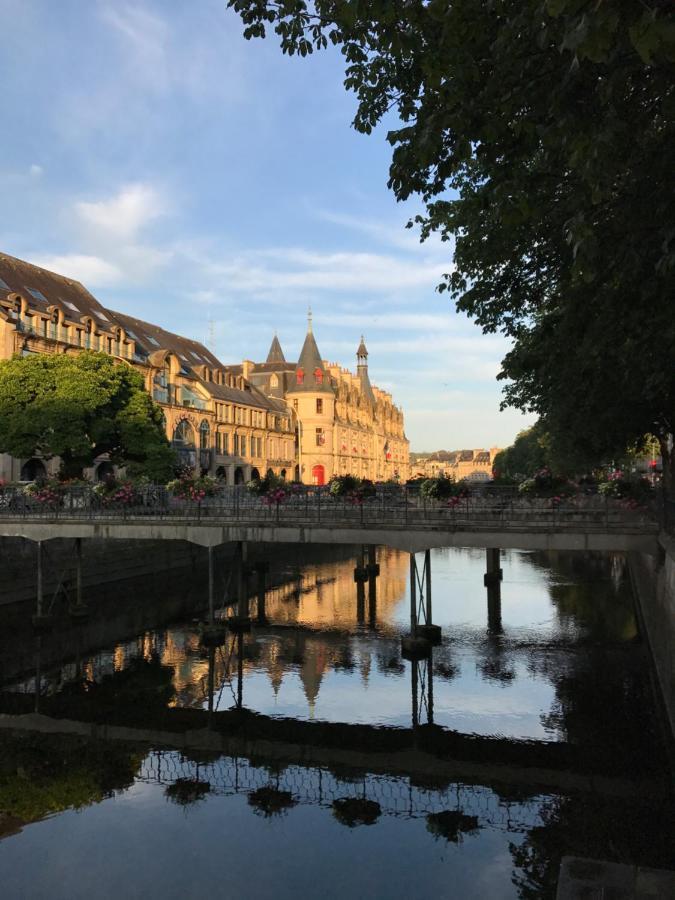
x,y
654,585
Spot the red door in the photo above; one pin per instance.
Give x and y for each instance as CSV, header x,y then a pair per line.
x,y
318,475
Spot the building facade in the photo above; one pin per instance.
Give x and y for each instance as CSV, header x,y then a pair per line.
x,y
345,425
462,465
217,421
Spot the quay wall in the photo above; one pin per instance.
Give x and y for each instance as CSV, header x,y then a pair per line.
x,y
653,579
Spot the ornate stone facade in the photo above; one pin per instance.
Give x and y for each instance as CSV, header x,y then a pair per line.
x,y
462,465
217,421
345,424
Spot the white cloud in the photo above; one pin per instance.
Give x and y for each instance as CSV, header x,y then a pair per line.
x,y
125,214
35,171
277,270
145,37
92,271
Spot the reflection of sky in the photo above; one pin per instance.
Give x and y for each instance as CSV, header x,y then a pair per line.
x,y
139,845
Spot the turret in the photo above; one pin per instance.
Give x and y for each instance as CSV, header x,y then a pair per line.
x,y
362,372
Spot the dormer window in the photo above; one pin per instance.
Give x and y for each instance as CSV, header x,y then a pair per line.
x,y
318,376
300,376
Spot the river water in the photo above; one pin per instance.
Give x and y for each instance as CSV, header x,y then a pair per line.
x,y
322,762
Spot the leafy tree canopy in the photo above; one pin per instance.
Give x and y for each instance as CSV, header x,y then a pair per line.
x,y
77,408
539,135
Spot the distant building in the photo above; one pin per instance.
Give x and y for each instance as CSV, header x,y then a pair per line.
x,y
462,465
345,424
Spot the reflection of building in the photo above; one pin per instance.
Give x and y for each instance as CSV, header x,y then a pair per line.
x,y
218,422
469,465
345,424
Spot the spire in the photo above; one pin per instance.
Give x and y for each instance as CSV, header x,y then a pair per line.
x,y
276,354
362,371
310,374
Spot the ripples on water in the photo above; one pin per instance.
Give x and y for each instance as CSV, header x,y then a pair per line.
x,y
562,669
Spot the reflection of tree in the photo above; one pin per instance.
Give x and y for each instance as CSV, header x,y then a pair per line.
x,y
593,827
270,801
187,791
44,774
452,825
353,811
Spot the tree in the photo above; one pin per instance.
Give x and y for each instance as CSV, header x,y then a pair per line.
x,y
77,408
538,135
525,456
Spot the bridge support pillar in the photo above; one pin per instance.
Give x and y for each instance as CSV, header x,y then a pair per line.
x,y
373,572
361,577
213,633
422,690
78,610
242,621
493,573
261,569
494,608
423,633
41,621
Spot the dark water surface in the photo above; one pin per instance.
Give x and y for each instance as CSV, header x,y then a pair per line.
x,y
322,762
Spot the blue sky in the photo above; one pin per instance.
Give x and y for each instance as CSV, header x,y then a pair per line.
x,y
186,175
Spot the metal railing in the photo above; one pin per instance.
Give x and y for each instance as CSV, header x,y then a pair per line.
x,y
485,508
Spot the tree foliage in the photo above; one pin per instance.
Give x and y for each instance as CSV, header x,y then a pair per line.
x,y
77,408
539,135
527,454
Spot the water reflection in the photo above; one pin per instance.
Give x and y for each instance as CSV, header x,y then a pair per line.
x,y
313,727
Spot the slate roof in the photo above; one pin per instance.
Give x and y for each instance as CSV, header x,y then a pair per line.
x,y
276,354
310,360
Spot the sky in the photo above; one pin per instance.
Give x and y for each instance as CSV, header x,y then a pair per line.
x,y
216,187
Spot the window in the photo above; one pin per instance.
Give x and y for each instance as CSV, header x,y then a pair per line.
x,y
235,444
4,285
300,376
295,405
204,435
37,294
70,305
318,376
319,407
320,437
218,443
184,434
226,444
99,315
242,444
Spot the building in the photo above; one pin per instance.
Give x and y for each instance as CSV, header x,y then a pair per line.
x,y
345,424
462,465
217,421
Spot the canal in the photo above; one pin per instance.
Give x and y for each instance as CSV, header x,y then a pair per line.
x,y
309,757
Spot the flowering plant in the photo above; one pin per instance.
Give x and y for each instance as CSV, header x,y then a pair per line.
x,y
193,489
442,488
353,489
112,492
46,491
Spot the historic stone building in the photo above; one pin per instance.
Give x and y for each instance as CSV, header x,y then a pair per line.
x,y
217,421
345,424
462,465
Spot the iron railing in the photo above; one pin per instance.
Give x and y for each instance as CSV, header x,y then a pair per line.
x,y
484,508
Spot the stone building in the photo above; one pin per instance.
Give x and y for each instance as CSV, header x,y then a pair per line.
x,y
345,424
462,465
217,421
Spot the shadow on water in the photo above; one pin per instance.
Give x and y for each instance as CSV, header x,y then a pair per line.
x,y
317,722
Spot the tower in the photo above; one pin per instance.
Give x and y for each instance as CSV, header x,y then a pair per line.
x,y
313,400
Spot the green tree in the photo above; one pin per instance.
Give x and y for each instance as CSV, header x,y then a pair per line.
x,y
538,133
77,408
525,456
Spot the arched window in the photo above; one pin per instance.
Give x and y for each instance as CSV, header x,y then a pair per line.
x,y
318,376
204,435
274,381
300,376
183,434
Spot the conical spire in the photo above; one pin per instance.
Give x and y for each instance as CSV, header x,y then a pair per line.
x,y
362,372
310,374
276,354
